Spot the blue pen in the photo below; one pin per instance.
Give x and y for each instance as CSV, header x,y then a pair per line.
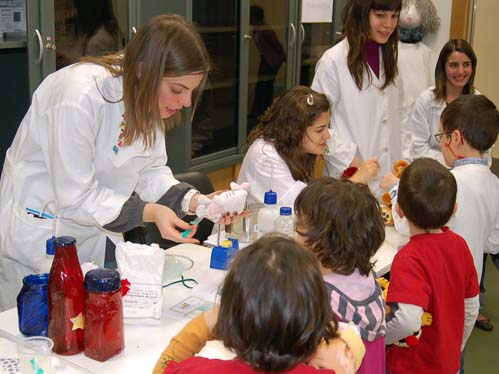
x,y
38,214
195,221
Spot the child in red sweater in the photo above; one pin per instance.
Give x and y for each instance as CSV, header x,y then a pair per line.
x,y
434,272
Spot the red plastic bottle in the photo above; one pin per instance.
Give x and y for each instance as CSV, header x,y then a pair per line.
x,y
104,335
66,298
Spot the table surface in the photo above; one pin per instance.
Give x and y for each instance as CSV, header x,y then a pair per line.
x,y
144,343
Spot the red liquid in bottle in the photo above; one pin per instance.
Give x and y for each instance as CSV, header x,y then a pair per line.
x,y
104,335
66,298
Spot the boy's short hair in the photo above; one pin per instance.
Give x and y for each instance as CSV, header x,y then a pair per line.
x,y
341,223
274,308
476,117
427,193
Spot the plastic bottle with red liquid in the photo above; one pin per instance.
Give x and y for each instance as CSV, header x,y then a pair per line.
x,y
66,298
104,335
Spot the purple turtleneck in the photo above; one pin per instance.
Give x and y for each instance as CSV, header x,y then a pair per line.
x,y
371,50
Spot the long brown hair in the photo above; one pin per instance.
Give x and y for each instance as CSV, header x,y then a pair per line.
x,y
357,31
166,45
453,45
279,324
285,124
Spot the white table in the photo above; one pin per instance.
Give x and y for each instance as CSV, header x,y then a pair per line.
x,y
144,344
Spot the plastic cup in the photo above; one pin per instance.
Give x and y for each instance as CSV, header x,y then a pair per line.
x,y
35,355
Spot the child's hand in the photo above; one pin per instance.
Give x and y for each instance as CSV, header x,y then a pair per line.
x,y
388,180
335,356
210,318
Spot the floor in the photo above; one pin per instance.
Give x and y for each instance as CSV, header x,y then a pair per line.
x,y
482,349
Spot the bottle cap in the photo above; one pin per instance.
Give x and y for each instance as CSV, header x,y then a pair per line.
x,y
49,246
270,198
64,241
285,211
102,280
36,280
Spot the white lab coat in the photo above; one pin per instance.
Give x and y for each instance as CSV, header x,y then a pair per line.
x,y
62,162
375,120
425,123
263,168
477,215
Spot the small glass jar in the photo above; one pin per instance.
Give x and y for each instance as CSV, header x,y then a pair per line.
x,y
104,334
32,307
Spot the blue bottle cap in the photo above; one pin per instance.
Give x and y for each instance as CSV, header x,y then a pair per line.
x,y
270,198
102,280
64,241
285,211
50,246
36,280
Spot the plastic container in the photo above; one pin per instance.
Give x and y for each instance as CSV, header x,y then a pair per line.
x,y
46,262
268,214
66,298
104,334
32,308
285,223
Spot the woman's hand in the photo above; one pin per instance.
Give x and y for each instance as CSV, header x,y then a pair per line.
x,y
167,222
227,218
388,180
367,170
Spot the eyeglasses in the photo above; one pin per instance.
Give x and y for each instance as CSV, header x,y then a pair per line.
x,y
438,137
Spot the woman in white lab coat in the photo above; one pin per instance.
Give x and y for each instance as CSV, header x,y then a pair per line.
x,y
88,159
286,144
454,76
359,76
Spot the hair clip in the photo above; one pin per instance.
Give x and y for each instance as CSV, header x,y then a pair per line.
x,y
310,99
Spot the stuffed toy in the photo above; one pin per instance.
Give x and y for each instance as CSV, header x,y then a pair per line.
x,y
415,59
231,201
426,319
386,202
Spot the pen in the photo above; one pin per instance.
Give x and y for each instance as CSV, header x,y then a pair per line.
x,y
37,214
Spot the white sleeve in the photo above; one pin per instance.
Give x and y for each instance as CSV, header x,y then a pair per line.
x,y
266,169
326,79
421,118
340,154
471,308
406,319
155,180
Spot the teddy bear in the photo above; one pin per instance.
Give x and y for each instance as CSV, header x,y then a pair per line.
x,y
386,202
415,59
426,319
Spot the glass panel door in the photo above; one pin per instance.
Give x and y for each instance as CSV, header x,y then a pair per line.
x,y
267,55
88,28
317,37
215,123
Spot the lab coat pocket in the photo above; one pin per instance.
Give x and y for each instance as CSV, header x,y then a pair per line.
x,y
26,237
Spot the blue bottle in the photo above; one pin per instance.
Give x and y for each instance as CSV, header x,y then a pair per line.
x,y
32,307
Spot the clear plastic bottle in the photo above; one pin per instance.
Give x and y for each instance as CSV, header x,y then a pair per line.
x,y
285,223
268,214
46,262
